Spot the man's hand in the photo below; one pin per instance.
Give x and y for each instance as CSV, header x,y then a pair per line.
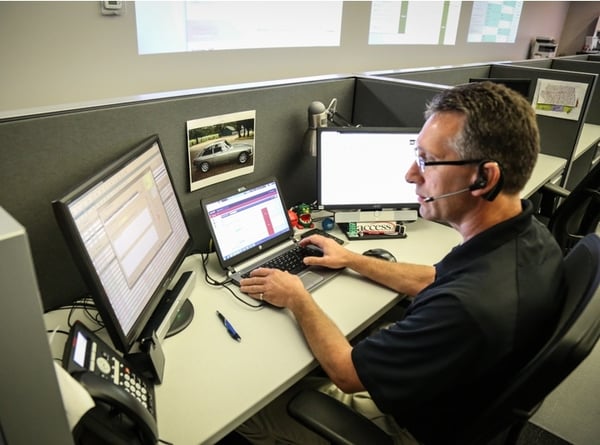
x,y
273,286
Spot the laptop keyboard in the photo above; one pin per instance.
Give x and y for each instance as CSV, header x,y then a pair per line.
x,y
291,260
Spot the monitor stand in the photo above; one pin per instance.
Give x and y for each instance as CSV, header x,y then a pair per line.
x,y
175,312
182,319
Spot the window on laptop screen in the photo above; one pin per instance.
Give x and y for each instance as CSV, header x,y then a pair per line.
x,y
362,168
233,218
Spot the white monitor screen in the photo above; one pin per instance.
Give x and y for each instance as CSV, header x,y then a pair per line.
x,y
364,168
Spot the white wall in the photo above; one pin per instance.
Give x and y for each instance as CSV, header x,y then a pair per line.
x,y
54,53
581,22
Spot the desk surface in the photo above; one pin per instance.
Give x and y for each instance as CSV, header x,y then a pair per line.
x,y
546,168
590,134
213,383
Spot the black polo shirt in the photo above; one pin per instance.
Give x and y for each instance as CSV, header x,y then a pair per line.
x,y
494,301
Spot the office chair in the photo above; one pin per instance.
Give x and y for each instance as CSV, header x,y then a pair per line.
x,y
579,211
574,338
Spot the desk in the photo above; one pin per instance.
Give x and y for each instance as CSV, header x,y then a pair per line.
x,y
213,383
584,155
588,139
546,169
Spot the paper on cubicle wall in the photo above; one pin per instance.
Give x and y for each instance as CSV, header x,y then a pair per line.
x,y
558,98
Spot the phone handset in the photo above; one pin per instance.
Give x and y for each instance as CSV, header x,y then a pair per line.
x,y
125,404
121,401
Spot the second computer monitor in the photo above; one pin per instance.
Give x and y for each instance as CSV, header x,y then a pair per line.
x,y
363,168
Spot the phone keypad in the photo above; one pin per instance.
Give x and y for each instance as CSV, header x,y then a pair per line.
x,y
111,368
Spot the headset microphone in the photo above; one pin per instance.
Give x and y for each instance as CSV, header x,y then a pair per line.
x,y
479,183
446,195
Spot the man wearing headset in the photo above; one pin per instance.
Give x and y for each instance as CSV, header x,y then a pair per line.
x,y
476,316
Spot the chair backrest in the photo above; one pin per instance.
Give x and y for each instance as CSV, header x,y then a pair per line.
x,y
579,213
573,339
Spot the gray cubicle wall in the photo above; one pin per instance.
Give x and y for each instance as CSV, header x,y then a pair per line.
x,y
583,66
42,156
558,136
537,63
388,102
454,75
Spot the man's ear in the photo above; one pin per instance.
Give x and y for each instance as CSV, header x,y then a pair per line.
x,y
490,180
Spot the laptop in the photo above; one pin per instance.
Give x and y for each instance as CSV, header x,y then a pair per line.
x,y
250,226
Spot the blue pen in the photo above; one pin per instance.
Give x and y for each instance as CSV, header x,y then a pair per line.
x,y
230,329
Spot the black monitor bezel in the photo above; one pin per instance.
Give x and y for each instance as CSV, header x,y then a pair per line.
x,y
121,340
414,205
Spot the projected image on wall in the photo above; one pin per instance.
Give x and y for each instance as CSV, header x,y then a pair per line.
x,y
414,22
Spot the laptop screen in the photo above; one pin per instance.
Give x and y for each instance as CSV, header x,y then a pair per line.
x,y
247,221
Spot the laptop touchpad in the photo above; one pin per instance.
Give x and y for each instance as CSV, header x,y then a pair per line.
x,y
310,278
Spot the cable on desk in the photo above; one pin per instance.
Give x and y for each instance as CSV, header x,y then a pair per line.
x,y
212,282
86,304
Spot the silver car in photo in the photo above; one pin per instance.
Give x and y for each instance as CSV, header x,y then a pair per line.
x,y
222,152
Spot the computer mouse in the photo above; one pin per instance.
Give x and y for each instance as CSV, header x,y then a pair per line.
x,y
381,254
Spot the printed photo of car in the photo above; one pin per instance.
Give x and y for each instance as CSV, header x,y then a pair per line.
x,y
222,152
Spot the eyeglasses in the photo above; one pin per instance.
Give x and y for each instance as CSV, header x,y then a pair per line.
x,y
422,163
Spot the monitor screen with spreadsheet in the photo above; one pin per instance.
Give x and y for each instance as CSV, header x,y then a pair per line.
x,y
127,233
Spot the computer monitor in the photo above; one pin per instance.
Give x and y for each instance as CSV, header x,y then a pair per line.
x,y
363,169
127,233
519,85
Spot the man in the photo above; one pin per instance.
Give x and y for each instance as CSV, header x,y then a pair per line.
x,y
477,314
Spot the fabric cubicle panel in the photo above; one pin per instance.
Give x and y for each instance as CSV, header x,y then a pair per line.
x,y
45,155
583,66
387,102
441,76
558,136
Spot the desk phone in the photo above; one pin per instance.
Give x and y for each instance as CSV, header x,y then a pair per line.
x,y
112,383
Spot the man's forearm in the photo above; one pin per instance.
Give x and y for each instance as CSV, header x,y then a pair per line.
x,y
329,346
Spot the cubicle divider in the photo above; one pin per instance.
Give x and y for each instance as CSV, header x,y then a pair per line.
x,y
559,137
453,75
583,66
536,63
558,134
45,154
386,102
